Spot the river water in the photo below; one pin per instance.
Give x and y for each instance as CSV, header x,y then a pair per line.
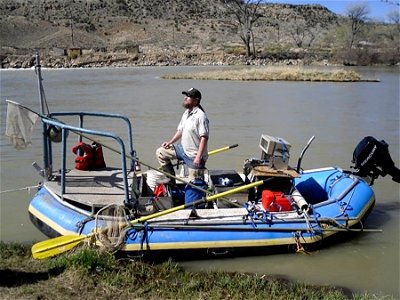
x,y
338,114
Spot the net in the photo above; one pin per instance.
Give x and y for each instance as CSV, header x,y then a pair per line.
x,y
111,227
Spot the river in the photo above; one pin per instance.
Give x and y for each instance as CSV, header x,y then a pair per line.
x,y
338,114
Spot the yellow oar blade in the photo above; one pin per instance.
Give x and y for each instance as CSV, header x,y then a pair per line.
x,y
58,245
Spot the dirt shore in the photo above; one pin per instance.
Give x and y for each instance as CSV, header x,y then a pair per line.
x,y
149,57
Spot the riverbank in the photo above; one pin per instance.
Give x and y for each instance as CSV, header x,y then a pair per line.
x,y
154,56
263,70
94,275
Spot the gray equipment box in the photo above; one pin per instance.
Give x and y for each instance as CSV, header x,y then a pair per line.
x,y
275,151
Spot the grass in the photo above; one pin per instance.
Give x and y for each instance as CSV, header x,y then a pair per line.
x,y
90,274
273,74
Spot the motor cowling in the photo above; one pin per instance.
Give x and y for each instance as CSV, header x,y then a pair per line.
x,y
372,159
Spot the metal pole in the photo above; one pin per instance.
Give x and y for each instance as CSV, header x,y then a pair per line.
x,y
44,111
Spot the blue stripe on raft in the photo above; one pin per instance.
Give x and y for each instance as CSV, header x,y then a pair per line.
x,y
52,212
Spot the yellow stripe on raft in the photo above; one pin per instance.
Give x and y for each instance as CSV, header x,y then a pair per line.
x,y
53,225
218,244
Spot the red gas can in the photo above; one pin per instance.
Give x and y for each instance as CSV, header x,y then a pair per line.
x,y
275,201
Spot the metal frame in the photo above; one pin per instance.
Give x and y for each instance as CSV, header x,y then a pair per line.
x,y
65,128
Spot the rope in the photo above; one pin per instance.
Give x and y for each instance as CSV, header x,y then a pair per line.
x,y
145,236
345,205
251,215
336,180
21,189
328,178
266,217
306,217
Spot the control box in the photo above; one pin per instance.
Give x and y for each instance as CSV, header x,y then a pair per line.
x,y
275,152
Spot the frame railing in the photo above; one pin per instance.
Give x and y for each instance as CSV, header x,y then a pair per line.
x,y
51,119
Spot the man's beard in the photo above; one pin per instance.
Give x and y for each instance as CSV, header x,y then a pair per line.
x,y
186,105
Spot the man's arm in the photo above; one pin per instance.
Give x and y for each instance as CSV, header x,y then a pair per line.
x,y
175,138
200,151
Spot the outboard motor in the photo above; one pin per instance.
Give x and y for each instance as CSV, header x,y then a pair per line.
x,y
372,159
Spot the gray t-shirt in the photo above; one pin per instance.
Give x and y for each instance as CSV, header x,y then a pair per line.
x,y
193,125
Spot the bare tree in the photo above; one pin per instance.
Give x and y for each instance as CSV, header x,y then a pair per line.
x,y
393,34
297,29
358,15
394,17
303,32
394,2
246,14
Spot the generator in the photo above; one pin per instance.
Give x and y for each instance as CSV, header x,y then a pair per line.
x,y
275,152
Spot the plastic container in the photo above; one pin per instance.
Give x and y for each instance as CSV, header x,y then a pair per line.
x,y
275,201
192,194
154,178
300,201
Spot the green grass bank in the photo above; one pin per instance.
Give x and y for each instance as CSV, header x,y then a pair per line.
x,y
90,274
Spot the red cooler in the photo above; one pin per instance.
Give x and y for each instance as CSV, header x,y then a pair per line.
x,y
275,201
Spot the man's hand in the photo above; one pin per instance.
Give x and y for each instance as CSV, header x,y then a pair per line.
x,y
197,161
166,145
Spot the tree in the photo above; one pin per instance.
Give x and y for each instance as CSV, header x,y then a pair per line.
x,y
393,34
394,17
394,2
297,29
246,14
358,15
302,31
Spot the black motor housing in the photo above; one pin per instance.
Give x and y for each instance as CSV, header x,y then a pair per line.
x,y
372,159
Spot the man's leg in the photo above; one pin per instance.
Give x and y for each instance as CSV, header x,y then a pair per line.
x,y
164,157
195,174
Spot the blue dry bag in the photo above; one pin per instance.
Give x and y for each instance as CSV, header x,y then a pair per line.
x,y
192,194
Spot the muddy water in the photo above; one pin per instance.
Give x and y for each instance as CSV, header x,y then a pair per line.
x,y
338,114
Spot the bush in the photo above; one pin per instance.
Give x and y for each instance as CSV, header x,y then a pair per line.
x,y
238,50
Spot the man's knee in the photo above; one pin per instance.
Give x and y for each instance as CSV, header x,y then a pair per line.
x,y
159,152
161,156
164,156
196,174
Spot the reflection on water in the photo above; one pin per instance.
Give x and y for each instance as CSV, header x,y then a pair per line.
x,y
338,114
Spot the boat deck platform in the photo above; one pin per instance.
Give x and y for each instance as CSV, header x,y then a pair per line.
x,y
95,188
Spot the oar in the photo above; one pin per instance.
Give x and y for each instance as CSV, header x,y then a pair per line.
x,y
216,151
62,244
222,149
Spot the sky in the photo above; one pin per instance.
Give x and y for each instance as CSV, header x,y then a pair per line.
x,y
378,8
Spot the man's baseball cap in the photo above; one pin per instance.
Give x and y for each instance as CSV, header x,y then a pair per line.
x,y
192,92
